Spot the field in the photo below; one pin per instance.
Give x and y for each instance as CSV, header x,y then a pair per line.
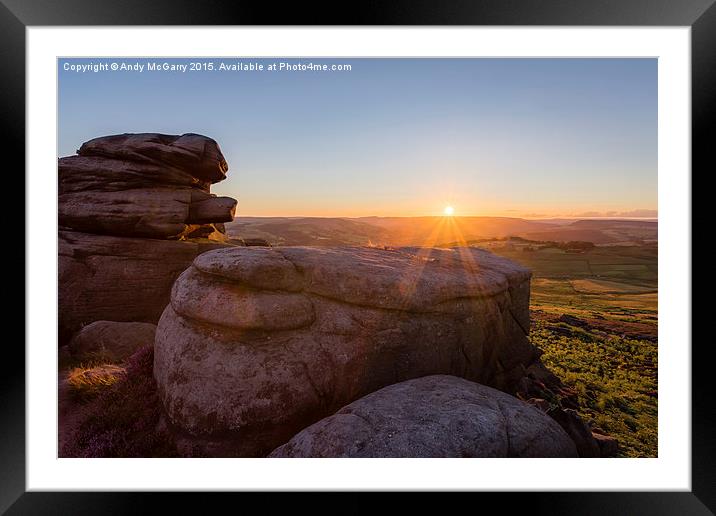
x,y
594,314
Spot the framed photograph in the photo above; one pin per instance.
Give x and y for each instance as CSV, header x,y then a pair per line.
x,y
439,247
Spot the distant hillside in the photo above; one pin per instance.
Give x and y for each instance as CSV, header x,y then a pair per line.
x,y
430,231
313,231
438,230
567,233
610,224
610,231
562,222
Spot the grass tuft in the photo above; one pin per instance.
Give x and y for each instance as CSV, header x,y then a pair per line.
x,y
90,380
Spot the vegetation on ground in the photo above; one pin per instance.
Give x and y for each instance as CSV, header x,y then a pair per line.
x,y
615,379
594,315
124,419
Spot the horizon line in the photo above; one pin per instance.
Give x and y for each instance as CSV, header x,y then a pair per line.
x,y
566,217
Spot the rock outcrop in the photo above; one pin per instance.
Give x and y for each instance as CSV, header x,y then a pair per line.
x,y
259,343
194,154
134,211
433,416
143,185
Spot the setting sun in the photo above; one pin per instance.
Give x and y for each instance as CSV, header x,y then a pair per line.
x,y
449,210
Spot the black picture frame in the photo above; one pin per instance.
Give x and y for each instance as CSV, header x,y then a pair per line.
x,y
16,15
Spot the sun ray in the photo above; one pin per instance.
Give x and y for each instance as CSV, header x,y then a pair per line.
x,y
422,256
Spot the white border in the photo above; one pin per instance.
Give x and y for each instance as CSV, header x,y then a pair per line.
x,y
671,471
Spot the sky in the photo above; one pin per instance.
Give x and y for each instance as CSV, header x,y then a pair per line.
x,y
532,138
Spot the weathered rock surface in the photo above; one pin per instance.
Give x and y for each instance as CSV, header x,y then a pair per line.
x,y
100,174
112,341
433,416
120,202
147,213
157,212
259,343
143,185
584,439
107,278
213,209
608,446
193,153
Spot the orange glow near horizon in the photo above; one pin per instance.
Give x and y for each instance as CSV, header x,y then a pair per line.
x,y
445,229
329,207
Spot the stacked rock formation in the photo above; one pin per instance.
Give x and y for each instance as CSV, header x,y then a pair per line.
x,y
134,211
259,343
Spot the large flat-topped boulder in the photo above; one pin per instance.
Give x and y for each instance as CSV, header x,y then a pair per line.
x,y
195,154
258,343
412,279
433,416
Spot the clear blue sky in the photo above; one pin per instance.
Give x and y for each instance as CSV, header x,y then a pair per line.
x,y
503,137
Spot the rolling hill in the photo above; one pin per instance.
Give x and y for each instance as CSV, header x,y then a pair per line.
x,y
430,231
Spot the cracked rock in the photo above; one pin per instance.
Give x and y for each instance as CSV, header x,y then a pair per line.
x,y
433,416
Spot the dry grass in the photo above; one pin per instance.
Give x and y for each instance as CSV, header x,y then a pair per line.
x,y
88,381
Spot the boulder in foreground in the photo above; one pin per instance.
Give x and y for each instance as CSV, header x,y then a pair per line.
x,y
259,343
433,416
